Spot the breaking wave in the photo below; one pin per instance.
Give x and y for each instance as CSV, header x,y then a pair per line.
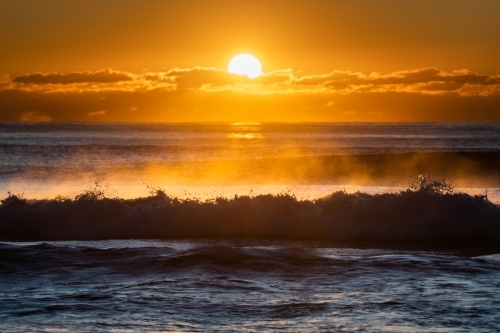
x,y
427,210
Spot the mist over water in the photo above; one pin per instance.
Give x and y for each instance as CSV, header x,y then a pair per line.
x,y
206,160
249,227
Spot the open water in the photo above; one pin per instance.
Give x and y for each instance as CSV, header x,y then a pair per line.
x,y
249,227
205,160
230,286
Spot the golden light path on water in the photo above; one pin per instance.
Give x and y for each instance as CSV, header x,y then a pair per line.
x,y
245,130
231,171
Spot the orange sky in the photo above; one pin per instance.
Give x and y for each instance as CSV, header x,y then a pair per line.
x,y
323,60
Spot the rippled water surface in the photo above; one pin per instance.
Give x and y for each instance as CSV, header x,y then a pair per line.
x,y
153,286
213,180
209,159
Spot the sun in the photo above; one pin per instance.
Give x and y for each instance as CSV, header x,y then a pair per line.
x,y
245,64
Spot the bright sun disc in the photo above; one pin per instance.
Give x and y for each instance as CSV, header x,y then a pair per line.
x,y
245,64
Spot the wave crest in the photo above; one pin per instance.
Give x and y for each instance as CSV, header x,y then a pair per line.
x,y
429,209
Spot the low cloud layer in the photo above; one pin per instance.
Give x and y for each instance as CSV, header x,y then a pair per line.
x,y
104,76
207,93
421,81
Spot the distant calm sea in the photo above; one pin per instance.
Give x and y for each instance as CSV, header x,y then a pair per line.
x,y
205,160
193,257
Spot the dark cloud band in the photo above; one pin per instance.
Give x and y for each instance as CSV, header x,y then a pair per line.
x,y
105,76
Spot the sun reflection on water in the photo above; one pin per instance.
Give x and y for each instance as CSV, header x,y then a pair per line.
x,y
247,136
245,131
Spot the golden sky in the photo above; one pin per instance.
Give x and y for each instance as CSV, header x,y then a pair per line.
x,y
322,60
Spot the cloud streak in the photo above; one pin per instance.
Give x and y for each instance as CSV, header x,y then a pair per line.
x,y
423,81
209,79
35,117
212,94
104,76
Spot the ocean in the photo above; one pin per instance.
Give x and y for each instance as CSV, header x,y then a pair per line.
x,y
45,160
246,227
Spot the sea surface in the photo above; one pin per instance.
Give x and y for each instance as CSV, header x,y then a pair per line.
x,y
204,160
231,286
249,227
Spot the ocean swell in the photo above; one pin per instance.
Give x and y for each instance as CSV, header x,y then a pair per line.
x,y
427,210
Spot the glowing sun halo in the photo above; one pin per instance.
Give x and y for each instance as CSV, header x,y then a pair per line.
x,y
245,64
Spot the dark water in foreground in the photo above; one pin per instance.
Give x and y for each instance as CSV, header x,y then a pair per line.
x,y
200,286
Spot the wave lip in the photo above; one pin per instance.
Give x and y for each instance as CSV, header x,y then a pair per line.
x,y
427,210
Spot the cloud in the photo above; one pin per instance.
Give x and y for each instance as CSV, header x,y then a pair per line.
x,y
197,77
404,77
225,105
426,80
212,94
96,113
104,76
209,79
35,117
420,81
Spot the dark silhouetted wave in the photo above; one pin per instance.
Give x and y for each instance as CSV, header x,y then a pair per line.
x,y
427,210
